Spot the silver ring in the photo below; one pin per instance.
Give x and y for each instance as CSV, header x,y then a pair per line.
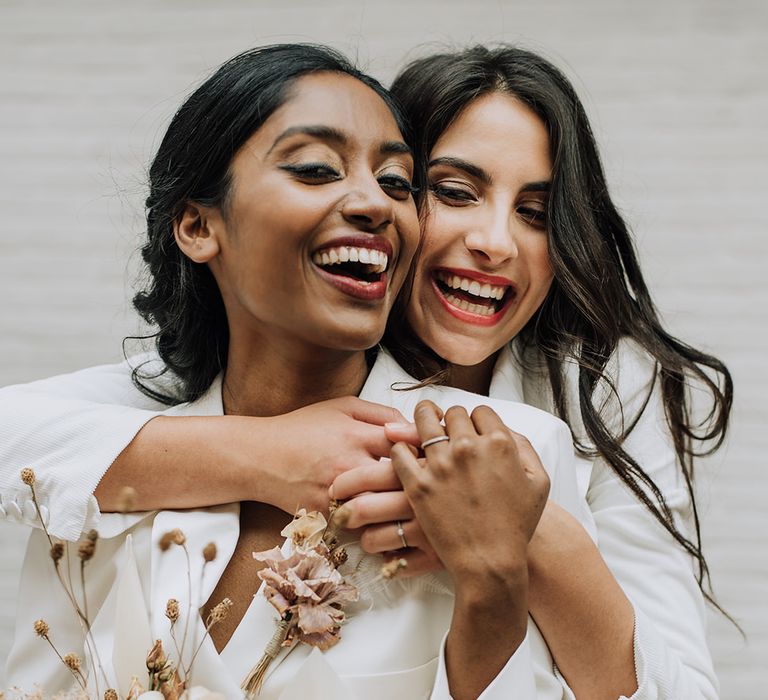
x,y
434,441
401,534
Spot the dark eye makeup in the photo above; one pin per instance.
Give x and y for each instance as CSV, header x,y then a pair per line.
x,y
397,186
533,217
453,195
313,171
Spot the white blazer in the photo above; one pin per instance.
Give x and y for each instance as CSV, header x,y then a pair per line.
x,y
71,427
391,645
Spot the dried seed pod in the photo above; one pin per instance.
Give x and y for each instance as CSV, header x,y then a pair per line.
x,y
57,551
172,609
41,628
28,476
219,611
209,551
338,556
72,661
156,659
391,568
86,550
126,500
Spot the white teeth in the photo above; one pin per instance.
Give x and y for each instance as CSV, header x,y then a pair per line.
x,y
377,259
464,305
484,291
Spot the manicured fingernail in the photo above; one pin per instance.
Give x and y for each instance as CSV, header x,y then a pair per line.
x,y
395,426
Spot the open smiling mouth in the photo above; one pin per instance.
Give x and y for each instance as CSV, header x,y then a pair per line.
x,y
470,296
356,270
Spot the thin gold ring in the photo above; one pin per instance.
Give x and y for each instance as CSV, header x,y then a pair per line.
x,y
434,441
401,534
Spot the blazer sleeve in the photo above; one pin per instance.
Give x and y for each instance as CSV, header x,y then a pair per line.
x,y
672,659
515,680
69,429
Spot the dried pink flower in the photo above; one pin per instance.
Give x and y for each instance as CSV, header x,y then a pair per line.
x,y
308,586
306,529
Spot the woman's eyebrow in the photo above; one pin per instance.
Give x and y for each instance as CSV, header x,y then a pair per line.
x,y
461,164
319,131
390,147
542,186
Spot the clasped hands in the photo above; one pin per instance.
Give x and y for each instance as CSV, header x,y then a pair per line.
x,y
469,504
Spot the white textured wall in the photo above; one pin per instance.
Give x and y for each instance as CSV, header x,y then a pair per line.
x,y
679,96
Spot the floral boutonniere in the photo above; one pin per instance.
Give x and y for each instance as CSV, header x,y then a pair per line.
x,y
306,588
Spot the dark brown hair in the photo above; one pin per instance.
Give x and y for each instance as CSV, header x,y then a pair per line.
x,y
598,296
180,297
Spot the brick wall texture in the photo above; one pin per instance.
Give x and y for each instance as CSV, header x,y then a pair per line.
x,y
678,93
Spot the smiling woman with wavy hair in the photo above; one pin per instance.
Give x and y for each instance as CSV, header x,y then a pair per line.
x,y
526,287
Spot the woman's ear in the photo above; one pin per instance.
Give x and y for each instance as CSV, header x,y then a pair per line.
x,y
196,231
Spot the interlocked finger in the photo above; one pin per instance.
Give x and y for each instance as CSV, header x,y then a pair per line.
x,y
387,538
427,417
373,508
376,476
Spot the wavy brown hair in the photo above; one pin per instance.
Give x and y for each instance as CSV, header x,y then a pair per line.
x,y
598,295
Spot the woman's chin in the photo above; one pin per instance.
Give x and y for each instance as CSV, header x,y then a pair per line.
x,y
465,355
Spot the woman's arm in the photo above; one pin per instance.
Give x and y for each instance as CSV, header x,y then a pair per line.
x,y
93,431
483,469
629,607
637,589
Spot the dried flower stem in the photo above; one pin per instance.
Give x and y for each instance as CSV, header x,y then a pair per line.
x,y
195,647
255,679
69,591
178,651
85,597
185,671
213,618
75,672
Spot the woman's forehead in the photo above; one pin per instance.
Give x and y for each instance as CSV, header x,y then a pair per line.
x,y
337,101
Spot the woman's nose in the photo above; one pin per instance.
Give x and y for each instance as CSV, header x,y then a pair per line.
x,y
493,241
368,207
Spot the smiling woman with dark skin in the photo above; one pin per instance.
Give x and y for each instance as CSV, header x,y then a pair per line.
x,y
302,163
521,243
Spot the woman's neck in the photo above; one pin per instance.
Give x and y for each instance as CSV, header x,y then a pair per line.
x,y
474,378
262,380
